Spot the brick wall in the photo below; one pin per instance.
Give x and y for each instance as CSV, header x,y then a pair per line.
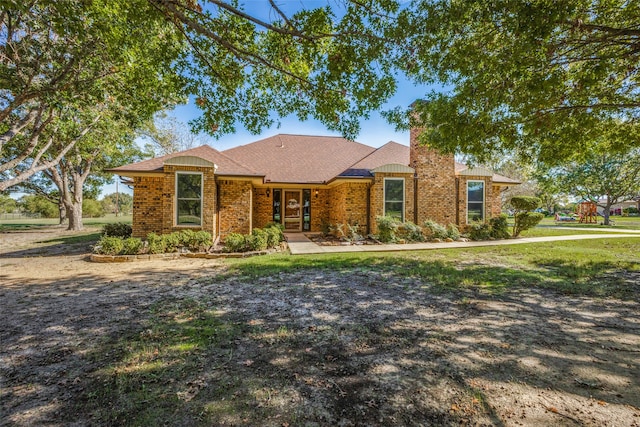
x,y
496,202
147,205
436,182
262,207
348,204
235,207
154,202
377,197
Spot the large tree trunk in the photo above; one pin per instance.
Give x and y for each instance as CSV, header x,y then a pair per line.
x,y
607,211
63,211
74,212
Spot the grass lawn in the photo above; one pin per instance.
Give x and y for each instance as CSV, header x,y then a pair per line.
x,y
629,222
34,223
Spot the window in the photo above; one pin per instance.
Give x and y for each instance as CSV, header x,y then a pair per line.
x,y
188,199
475,201
394,198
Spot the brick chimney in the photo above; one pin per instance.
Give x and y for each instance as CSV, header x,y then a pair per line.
x,y
436,182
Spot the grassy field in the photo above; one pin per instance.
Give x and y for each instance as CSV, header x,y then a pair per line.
x,y
629,222
26,223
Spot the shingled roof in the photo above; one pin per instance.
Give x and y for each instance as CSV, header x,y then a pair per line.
x,y
288,158
226,165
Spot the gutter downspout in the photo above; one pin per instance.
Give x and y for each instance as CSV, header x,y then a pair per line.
x,y
369,208
458,201
415,198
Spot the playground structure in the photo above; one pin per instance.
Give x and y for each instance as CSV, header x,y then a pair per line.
x,y
587,212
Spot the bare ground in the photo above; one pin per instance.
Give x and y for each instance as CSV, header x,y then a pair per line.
x,y
316,347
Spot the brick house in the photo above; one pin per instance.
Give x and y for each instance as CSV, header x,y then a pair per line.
x,y
305,183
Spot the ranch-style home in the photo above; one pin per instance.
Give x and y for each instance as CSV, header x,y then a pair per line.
x,y
305,183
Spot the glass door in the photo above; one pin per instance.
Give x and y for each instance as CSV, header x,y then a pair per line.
x,y
292,210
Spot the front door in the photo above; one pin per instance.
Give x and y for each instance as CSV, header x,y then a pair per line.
x,y
292,210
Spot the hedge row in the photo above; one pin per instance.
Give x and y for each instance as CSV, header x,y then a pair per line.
x,y
194,241
259,239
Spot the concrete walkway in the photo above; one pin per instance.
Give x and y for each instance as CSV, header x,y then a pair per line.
x,y
299,244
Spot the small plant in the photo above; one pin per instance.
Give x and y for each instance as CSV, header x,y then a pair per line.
x,y
452,232
235,242
387,227
257,240
117,229
172,242
274,235
198,241
433,230
480,231
108,245
131,246
156,244
524,217
499,227
410,232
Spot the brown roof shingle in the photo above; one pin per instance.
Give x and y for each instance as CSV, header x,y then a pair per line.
x,y
288,158
226,165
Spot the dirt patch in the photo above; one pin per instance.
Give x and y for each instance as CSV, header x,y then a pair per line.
x,y
312,347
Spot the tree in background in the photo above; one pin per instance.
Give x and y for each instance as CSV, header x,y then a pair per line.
x,y
35,205
120,203
600,175
166,134
7,204
536,78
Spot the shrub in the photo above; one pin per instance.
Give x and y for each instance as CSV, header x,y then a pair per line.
x,y
525,203
117,229
480,231
131,246
452,232
410,231
235,242
196,240
525,221
499,227
157,244
387,227
433,230
172,242
274,236
257,240
109,245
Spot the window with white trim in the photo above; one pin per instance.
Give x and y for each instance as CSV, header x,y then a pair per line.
x,y
475,201
394,198
188,198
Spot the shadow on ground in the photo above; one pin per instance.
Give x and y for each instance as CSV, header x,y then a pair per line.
x,y
355,344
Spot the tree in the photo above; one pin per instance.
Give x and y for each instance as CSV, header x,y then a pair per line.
x,y
602,176
33,204
166,134
62,56
118,203
7,204
536,78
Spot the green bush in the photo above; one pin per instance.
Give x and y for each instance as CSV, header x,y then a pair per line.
x,y
452,232
480,231
172,242
274,236
235,242
525,221
117,229
433,230
109,245
499,227
410,232
257,240
157,244
131,246
387,227
197,241
525,203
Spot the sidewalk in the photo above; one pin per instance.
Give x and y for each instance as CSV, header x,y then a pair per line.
x,y
299,244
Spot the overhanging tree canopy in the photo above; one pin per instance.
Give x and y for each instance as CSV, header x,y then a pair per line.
x,y
542,78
